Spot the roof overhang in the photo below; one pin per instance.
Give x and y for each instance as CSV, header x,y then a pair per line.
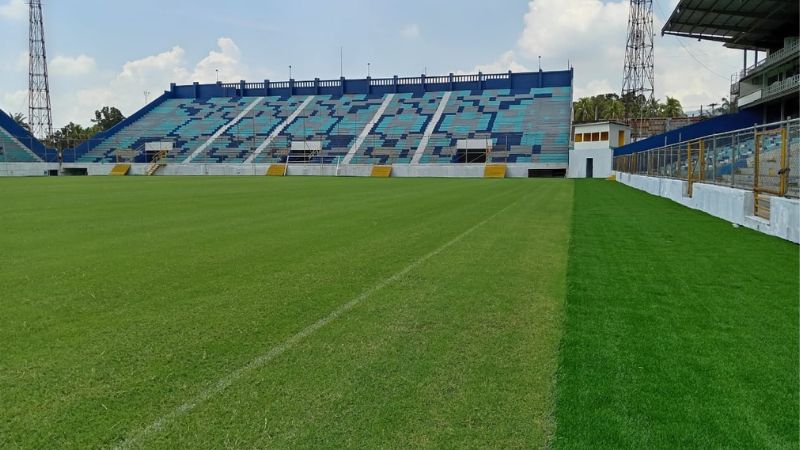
x,y
753,25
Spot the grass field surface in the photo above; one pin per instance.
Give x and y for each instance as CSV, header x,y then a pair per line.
x,y
135,297
681,331
251,312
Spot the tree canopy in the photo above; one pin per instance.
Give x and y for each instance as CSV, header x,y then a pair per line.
x,y
612,107
73,134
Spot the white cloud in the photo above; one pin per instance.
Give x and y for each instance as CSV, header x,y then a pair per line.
x,y
15,102
507,61
592,34
78,87
69,66
154,74
14,10
411,31
227,60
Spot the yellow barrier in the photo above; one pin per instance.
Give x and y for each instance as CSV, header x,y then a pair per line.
x,y
276,170
381,171
120,170
494,171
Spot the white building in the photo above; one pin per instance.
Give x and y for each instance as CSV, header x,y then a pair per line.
x,y
594,144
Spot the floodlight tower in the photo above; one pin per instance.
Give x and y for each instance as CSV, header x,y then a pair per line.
x,y
638,73
40,115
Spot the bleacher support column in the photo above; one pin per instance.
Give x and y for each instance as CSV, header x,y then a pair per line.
x,y
266,88
341,81
394,84
196,87
480,80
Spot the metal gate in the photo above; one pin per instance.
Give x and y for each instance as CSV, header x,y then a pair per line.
x,y
770,169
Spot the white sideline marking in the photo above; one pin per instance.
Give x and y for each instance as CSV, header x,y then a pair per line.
x,y
278,129
223,129
367,129
423,143
277,350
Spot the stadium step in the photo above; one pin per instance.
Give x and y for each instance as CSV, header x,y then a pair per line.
x,y
156,163
153,168
120,169
494,171
276,170
381,171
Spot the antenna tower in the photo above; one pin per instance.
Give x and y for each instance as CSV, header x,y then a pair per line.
x,y
639,78
40,115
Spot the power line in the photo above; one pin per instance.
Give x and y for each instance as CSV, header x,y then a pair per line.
x,y
686,49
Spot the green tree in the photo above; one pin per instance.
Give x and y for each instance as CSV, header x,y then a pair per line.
x,y
69,136
106,118
672,108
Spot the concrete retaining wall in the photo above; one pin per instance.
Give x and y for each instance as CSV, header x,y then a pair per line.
x,y
733,205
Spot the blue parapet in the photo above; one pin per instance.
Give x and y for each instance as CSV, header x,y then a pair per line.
x,y
379,86
720,124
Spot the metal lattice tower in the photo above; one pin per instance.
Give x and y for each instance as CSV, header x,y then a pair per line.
x,y
40,116
639,78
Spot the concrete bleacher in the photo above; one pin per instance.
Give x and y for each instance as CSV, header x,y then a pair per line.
x,y
524,118
16,143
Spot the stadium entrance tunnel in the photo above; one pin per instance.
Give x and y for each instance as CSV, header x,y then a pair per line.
x,y
547,173
72,172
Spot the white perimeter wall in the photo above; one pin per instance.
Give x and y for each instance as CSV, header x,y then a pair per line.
x,y
353,170
733,205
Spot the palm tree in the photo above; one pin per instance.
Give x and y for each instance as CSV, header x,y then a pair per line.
x,y
584,110
614,109
672,108
725,106
20,119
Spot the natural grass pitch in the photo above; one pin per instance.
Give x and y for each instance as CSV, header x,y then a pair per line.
x,y
256,312
146,312
681,330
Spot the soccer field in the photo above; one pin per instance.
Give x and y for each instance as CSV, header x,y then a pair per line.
x,y
339,312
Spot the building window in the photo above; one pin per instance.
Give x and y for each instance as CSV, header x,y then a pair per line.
x,y
578,137
604,136
596,137
621,138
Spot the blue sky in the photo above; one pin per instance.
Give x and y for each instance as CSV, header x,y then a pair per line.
x,y
110,52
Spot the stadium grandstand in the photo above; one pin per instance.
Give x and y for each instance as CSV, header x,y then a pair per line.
x,y
521,120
